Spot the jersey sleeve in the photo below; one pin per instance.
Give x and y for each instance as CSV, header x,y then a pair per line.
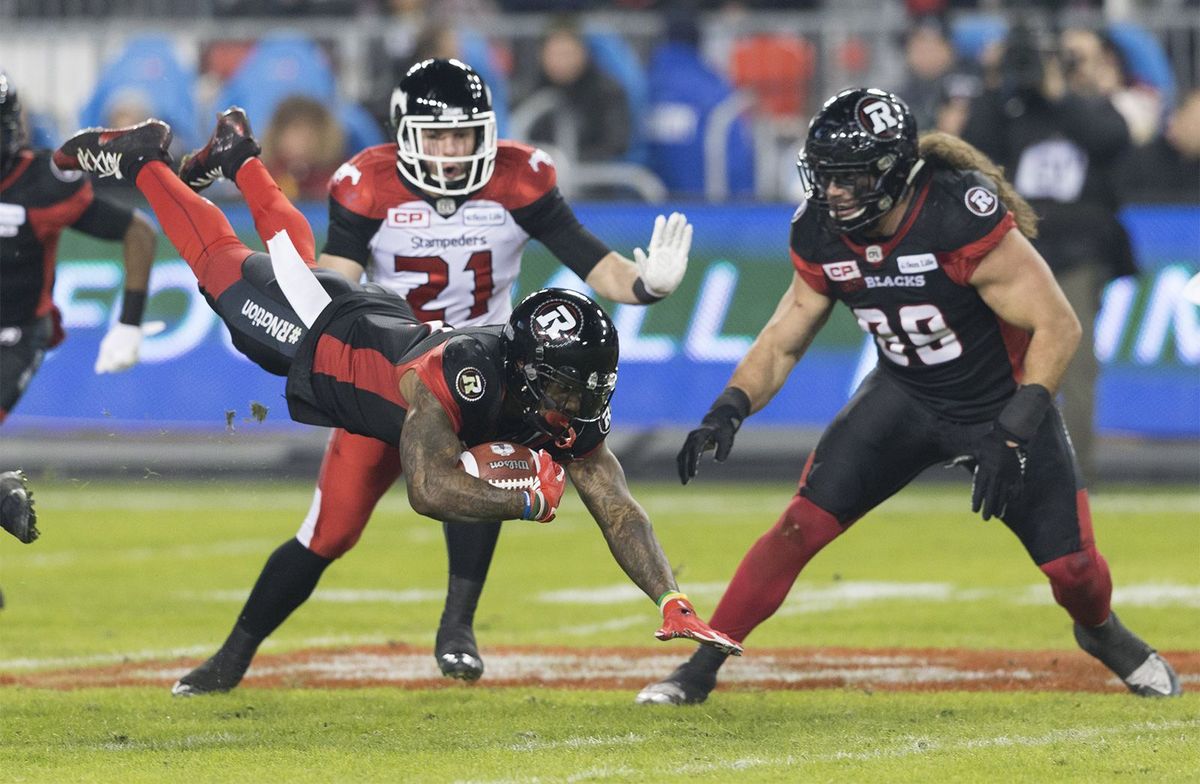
x,y
350,233
104,219
464,379
973,220
551,221
802,241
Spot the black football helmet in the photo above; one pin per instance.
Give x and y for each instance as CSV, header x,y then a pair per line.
x,y
865,141
12,135
437,95
561,355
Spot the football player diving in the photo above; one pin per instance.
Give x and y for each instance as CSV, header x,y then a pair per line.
x,y
356,357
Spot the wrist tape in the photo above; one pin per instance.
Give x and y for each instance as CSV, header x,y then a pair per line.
x,y
133,305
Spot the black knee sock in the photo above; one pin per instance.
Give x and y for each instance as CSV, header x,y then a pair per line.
x,y
287,580
470,547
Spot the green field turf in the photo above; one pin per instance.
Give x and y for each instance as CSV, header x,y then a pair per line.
x,y
147,570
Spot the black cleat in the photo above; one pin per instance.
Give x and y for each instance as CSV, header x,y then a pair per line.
x,y
223,671
116,152
1139,666
690,684
456,653
17,515
231,143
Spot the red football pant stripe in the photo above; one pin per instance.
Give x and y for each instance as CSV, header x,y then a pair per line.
x,y
196,227
355,473
272,211
770,568
1081,582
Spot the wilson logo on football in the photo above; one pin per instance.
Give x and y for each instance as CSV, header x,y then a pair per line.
x,y
469,384
981,201
510,465
556,322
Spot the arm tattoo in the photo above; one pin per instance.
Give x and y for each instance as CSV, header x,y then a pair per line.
x,y
600,481
437,487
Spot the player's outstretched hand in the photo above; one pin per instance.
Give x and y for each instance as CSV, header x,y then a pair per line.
x,y
716,430
662,268
541,500
119,348
680,620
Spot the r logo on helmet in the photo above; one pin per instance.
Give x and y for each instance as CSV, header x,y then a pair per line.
x,y
556,322
878,118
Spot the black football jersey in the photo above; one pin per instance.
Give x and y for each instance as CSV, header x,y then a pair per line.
x,y
933,332
38,201
347,374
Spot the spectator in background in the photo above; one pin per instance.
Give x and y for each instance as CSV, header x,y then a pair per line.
x,y
1168,168
1061,147
684,92
589,119
1095,66
302,148
937,86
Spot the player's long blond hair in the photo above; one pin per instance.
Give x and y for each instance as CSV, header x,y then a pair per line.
x,y
941,150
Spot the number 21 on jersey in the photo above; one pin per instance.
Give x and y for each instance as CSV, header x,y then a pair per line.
x,y
923,334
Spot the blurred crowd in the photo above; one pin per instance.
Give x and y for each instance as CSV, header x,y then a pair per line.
x,y
712,103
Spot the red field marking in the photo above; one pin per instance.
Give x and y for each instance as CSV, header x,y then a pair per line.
x,y
628,669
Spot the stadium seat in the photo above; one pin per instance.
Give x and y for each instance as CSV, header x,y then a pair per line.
x,y
777,70
279,66
972,35
147,71
1146,58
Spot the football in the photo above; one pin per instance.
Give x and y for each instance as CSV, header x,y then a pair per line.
x,y
501,464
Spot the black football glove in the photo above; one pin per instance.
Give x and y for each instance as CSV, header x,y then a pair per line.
x,y
716,430
999,477
1002,454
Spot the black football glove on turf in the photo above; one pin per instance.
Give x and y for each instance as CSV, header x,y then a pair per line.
x,y
1002,454
717,428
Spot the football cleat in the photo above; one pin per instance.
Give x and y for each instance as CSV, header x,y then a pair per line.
x,y
223,671
1139,666
17,515
456,653
690,684
231,143
115,152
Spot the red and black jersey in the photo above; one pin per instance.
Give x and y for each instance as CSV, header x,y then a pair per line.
x,y
347,371
38,201
454,259
933,332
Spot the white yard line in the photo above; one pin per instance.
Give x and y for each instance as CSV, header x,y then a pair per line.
x,y
913,747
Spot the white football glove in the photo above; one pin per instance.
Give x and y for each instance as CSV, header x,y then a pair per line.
x,y
662,268
119,348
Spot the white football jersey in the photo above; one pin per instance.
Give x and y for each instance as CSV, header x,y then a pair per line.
x,y
455,262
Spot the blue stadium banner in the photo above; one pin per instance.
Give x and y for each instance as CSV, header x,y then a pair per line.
x,y
675,356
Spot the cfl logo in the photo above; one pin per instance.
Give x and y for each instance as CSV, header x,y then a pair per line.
x,y
558,323
881,117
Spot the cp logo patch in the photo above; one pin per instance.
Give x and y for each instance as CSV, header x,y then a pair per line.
x,y
469,384
981,201
556,322
878,118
